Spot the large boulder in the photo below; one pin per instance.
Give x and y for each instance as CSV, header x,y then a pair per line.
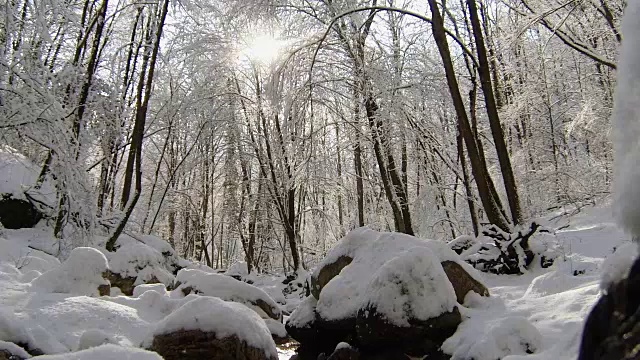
x,y
411,306
372,249
18,213
374,283
210,328
227,288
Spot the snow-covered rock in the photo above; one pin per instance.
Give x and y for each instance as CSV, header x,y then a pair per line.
x,y
411,305
135,264
11,351
81,274
141,289
229,289
105,352
411,286
356,258
387,290
208,325
278,331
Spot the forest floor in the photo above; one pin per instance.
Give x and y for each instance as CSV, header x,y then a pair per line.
x,y
555,300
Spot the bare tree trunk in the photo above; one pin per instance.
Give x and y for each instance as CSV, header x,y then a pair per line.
x,y
138,132
494,119
477,167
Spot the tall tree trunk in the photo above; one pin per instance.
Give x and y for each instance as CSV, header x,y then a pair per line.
x,y
494,119
138,131
477,167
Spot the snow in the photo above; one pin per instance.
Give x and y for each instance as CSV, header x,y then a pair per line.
x,y
617,266
370,250
94,338
626,125
513,335
80,274
238,268
105,352
410,286
12,330
226,288
17,251
210,314
20,175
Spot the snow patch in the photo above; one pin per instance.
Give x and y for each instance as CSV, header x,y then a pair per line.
x,y
493,340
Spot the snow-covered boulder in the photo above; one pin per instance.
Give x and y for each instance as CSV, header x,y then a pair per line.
x,y
228,289
358,256
374,283
302,324
18,177
410,305
11,351
83,273
135,264
238,270
211,328
141,289
105,352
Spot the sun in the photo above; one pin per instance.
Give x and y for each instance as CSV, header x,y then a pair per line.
x,y
263,49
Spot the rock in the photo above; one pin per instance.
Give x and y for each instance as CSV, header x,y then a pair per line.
x,y
226,288
321,277
612,329
462,282
128,283
211,328
104,290
419,338
196,345
18,213
410,306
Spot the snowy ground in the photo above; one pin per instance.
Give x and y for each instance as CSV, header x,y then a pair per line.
x,y
547,307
